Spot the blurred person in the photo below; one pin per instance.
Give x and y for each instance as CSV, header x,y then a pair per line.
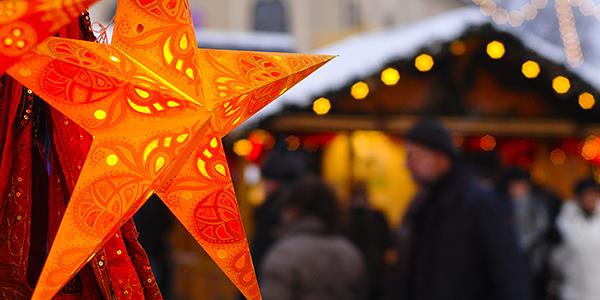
x,y
578,257
369,231
531,209
530,212
461,242
280,168
311,260
155,222
485,165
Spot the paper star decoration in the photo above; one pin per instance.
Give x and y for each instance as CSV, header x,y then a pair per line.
x,y
25,23
157,107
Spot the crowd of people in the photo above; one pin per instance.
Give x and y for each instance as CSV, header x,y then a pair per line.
x,y
463,237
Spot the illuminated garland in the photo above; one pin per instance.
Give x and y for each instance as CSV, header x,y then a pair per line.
x,y
564,13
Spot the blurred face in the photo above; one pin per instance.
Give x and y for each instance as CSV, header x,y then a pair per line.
x,y
271,186
290,215
519,189
426,165
588,200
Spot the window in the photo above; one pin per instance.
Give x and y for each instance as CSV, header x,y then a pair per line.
x,y
270,15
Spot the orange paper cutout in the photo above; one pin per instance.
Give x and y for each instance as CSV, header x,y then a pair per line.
x,y
25,23
157,107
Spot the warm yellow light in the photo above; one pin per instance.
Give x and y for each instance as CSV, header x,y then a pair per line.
x,y
112,160
242,147
360,90
390,76
590,148
424,62
495,49
558,156
321,106
586,100
293,142
100,114
458,48
487,143
561,84
530,69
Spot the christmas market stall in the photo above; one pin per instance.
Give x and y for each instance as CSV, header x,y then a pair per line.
x,y
507,101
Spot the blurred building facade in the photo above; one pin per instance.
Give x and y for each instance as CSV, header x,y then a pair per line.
x,y
313,23
310,23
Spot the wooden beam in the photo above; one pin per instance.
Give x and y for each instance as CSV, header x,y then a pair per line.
x,y
534,128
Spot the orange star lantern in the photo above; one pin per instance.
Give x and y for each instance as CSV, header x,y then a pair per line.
x,y
25,23
157,107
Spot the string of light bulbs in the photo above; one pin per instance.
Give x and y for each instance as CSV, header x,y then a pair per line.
x,y
514,17
587,7
564,13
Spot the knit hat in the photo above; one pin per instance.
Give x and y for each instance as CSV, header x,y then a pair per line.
x,y
433,135
585,184
283,166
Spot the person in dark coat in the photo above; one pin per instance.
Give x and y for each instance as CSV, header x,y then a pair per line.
x,y
279,170
311,260
461,240
368,230
155,222
534,214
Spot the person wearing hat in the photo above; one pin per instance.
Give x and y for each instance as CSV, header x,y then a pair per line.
x,y
459,239
280,169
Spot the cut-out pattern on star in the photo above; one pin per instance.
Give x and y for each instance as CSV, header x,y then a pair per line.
x,y
25,23
157,107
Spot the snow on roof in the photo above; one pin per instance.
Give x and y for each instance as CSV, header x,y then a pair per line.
x,y
262,41
365,54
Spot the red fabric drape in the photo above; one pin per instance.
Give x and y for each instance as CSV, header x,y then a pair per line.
x,y
42,154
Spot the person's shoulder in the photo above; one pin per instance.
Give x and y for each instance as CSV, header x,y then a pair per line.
x,y
285,252
343,243
483,199
569,210
347,251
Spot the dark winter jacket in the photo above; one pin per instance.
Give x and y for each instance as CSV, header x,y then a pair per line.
x,y
369,231
462,245
309,264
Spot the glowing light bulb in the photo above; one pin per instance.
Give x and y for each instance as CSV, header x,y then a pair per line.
x,y
390,76
530,69
242,147
586,100
360,90
424,62
322,106
561,84
496,49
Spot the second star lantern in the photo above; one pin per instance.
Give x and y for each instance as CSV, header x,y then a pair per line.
x,y
25,23
157,107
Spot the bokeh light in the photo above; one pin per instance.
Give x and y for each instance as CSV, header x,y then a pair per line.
x,y
390,76
242,147
424,62
293,143
561,84
586,100
495,49
487,143
458,48
558,156
360,90
321,106
530,69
